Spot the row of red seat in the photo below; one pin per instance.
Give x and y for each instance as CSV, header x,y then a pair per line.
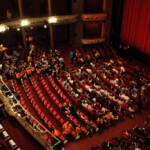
x,y
49,107
59,117
28,91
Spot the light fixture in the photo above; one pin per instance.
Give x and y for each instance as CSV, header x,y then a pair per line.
x,y
2,28
45,26
52,20
24,22
18,29
19,114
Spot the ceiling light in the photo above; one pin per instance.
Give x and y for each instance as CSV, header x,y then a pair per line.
x,y
2,28
24,22
45,26
52,20
18,29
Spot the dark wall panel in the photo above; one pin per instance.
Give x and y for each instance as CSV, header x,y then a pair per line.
x,y
93,6
91,30
61,33
12,6
59,7
10,38
34,8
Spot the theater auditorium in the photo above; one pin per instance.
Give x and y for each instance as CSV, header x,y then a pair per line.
x,y
75,75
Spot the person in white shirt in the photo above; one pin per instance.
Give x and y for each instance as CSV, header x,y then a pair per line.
x,y
89,70
122,69
115,70
89,88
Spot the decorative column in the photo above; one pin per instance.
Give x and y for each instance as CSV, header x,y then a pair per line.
x,y
107,7
23,31
50,26
104,5
103,24
76,32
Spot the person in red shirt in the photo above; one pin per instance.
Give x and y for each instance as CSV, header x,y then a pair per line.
x,y
38,72
67,129
56,133
18,77
100,122
28,72
79,130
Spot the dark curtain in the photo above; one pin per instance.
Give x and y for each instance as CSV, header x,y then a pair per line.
x,y
135,28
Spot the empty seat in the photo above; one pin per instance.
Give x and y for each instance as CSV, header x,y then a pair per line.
x,y
42,98
42,115
58,117
35,123
46,119
39,127
45,102
5,134
57,101
51,109
46,136
60,105
49,92
39,111
49,124
48,105
54,113
62,121
11,143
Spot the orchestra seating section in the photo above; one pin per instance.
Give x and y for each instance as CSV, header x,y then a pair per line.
x,y
136,138
101,87
6,142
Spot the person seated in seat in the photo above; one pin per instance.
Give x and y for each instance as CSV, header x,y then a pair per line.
x,y
55,132
100,122
66,108
79,130
71,54
67,129
29,72
73,109
18,77
38,72
89,127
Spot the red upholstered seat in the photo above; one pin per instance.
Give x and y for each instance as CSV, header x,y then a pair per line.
x,y
46,136
42,115
54,113
48,105
51,109
60,105
39,111
46,119
49,124
62,121
58,117
35,123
